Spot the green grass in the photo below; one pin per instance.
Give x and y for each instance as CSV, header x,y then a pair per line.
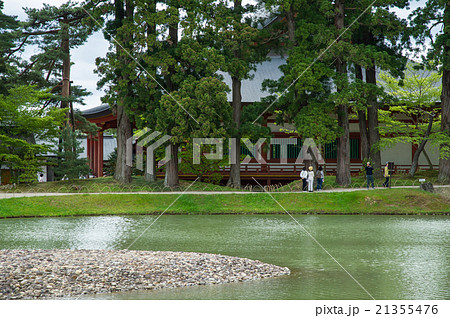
x,y
394,201
108,184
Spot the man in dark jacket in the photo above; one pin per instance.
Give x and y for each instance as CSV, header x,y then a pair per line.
x,y
369,175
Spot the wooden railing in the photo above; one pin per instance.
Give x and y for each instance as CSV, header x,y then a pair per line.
x,y
278,169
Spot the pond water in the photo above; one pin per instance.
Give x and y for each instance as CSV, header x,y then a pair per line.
x,y
393,257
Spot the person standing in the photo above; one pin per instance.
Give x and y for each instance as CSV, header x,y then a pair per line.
x,y
304,176
310,179
369,175
386,175
320,178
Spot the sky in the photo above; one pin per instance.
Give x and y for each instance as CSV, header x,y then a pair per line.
x,y
82,72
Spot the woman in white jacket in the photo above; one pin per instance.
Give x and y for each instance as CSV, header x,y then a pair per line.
x,y
310,179
304,177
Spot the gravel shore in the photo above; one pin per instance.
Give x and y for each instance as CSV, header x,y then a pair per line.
x,y
34,274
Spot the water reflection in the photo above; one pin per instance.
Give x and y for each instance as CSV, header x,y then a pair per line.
x,y
100,233
393,257
103,232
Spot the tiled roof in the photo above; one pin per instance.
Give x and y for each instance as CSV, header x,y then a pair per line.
x,y
97,111
251,88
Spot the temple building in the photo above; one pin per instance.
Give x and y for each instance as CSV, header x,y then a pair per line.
x,y
273,171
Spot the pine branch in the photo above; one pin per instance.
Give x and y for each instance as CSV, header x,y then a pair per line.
x,y
29,66
50,70
41,32
20,46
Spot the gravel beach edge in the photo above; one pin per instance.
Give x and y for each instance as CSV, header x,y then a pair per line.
x,y
47,274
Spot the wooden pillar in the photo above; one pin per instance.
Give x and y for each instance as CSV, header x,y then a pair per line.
x,y
90,151
95,157
100,154
264,152
92,159
88,148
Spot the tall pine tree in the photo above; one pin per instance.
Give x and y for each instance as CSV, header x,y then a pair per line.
x,y
56,30
426,23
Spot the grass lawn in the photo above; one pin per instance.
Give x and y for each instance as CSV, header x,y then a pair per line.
x,y
108,184
383,201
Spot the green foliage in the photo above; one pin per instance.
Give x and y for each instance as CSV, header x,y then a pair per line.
x,y
310,102
420,88
9,38
110,165
415,98
22,123
81,123
430,26
240,41
244,41
68,164
206,166
205,100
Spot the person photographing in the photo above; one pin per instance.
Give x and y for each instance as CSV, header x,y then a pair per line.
x,y
369,175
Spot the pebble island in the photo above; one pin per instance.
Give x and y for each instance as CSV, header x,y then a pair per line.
x,y
46,274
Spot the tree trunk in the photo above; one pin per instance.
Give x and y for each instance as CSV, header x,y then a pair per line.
x,y
343,176
365,152
415,161
151,31
234,180
148,177
124,131
362,119
372,119
290,18
172,180
124,127
65,90
173,41
444,164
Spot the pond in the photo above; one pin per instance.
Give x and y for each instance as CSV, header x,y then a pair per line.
x,y
393,257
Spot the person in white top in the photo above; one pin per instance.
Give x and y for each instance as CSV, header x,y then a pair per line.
x,y
310,179
304,176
